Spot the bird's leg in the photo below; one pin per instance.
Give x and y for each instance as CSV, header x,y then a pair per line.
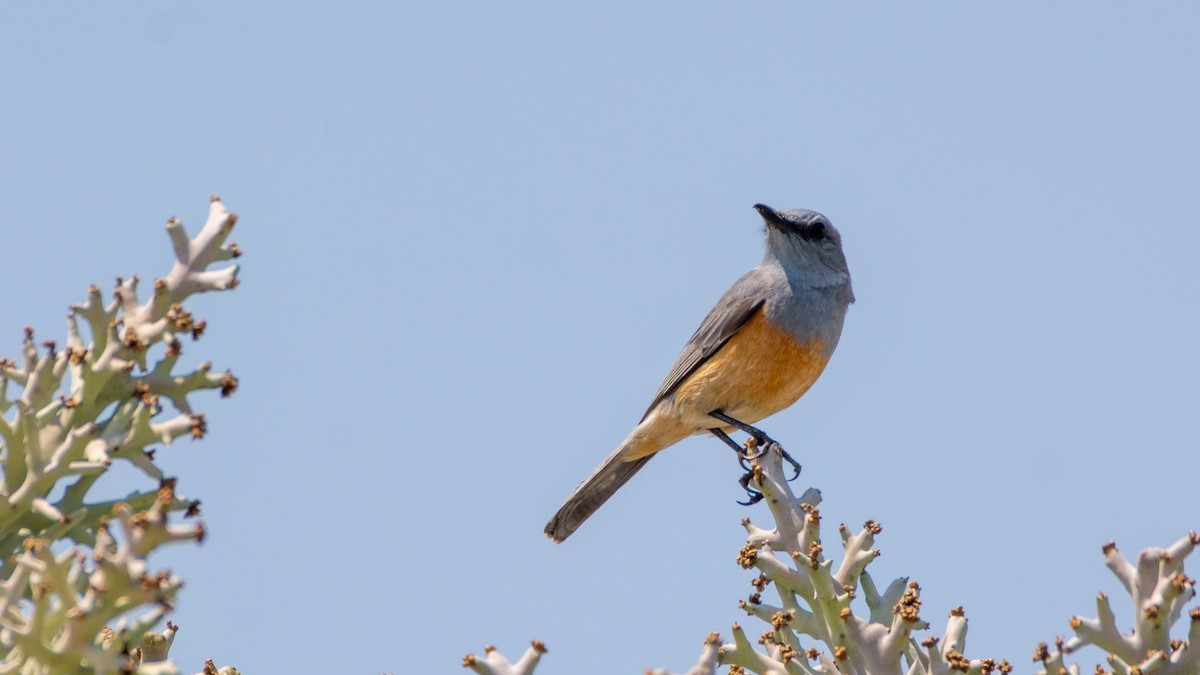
x,y
758,435
742,451
761,438
754,495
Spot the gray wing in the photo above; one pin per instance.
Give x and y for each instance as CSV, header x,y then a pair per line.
x,y
740,303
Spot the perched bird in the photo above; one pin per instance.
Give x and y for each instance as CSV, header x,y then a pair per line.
x,y
758,351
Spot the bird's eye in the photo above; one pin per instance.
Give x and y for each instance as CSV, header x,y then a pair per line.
x,y
816,231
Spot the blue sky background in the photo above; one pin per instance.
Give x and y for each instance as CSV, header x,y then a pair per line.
x,y
477,234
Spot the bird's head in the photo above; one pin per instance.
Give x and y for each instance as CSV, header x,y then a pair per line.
x,y
807,246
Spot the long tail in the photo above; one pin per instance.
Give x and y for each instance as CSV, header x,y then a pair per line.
x,y
592,493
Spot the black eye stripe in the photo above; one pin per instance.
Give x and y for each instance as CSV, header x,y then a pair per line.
x,y
814,231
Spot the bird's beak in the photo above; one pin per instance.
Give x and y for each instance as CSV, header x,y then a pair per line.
x,y
772,218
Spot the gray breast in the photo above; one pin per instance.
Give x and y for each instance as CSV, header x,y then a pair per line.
x,y
810,313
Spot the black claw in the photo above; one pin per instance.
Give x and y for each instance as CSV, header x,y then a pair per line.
x,y
755,495
748,453
794,464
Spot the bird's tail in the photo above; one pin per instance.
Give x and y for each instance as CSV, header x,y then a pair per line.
x,y
592,493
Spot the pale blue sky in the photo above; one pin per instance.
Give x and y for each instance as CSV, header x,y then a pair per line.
x,y
477,234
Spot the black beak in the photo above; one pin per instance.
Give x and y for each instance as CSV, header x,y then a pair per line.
x,y
772,218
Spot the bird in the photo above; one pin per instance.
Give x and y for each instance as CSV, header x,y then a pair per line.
x,y
761,347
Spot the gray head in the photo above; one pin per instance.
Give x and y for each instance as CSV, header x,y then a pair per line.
x,y
807,245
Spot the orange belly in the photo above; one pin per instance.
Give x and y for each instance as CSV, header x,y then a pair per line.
x,y
760,371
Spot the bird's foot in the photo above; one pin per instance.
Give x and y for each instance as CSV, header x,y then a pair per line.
x,y
753,451
754,471
792,463
746,454
755,447
749,452
754,495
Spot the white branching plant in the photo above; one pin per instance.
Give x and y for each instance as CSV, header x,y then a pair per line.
x,y
492,663
1160,592
78,593
814,627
